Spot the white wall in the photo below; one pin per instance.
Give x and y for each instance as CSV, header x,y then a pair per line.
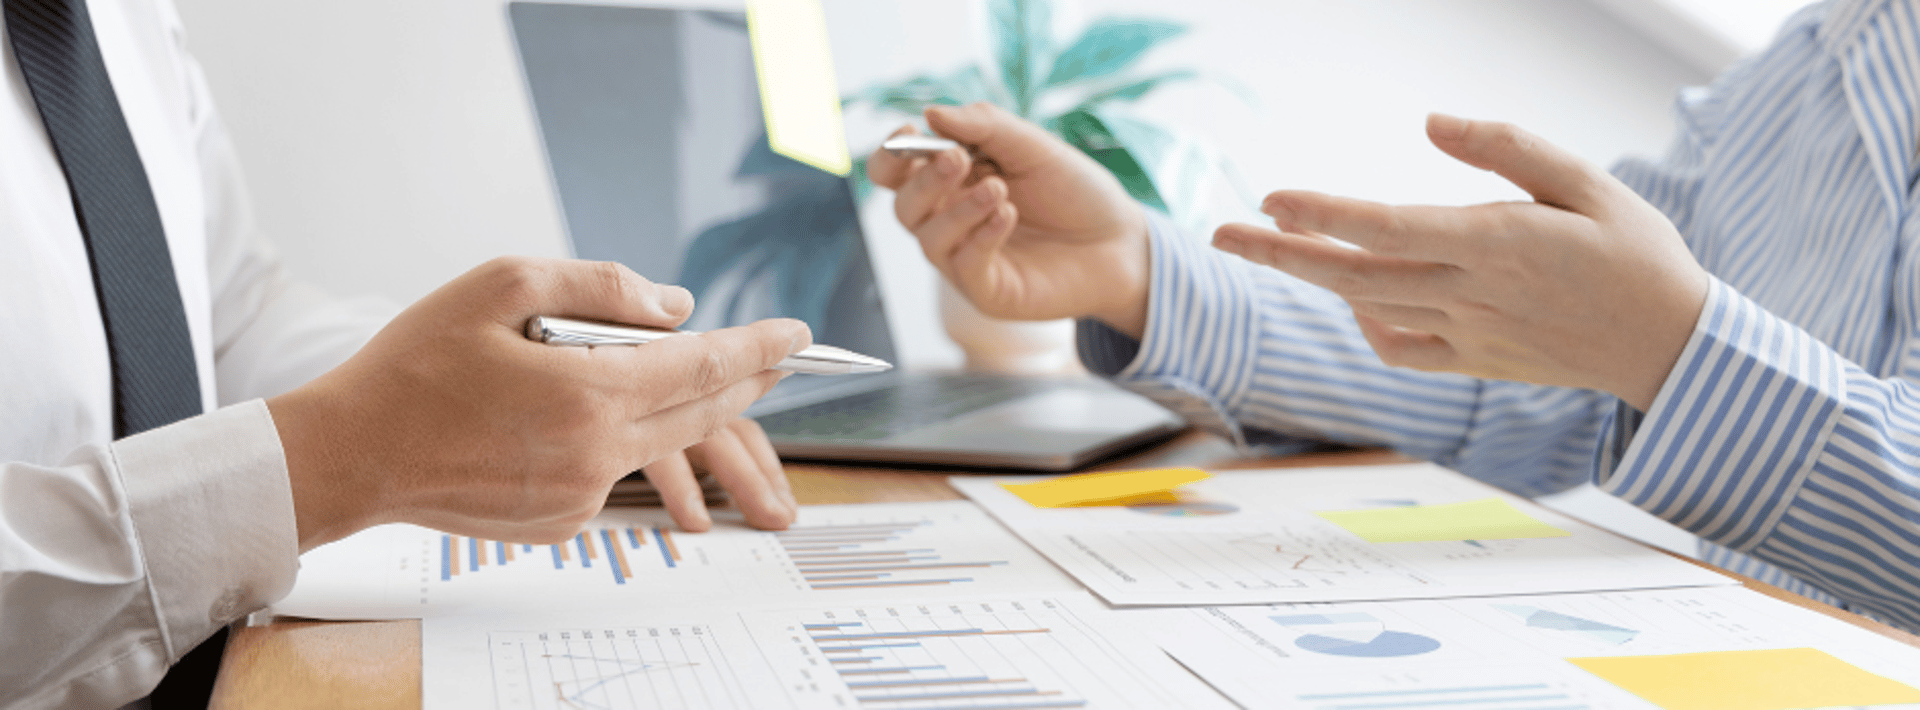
x,y
390,145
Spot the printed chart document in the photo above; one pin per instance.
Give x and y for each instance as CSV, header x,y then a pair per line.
x,y
635,556
1061,651
1413,531
1679,649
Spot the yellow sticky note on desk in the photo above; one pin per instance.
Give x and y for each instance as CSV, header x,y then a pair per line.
x,y
1773,679
1488,519
798,94
1142,487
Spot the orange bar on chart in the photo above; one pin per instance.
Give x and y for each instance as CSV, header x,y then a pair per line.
x,y
666,538
618,555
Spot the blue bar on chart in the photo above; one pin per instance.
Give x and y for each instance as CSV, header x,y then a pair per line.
x,y
871,555
602,544
926,669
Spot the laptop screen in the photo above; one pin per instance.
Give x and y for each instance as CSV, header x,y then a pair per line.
x,y
652,126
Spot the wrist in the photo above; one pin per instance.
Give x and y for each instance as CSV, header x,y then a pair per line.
x,y
1131,279
1671,335
327,504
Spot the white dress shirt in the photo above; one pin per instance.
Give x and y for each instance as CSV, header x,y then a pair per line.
x,y
116,558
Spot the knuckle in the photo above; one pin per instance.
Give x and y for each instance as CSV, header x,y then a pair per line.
x,y
710,371
615,280
1507,137
516,275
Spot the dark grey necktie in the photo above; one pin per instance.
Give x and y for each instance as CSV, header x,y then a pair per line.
x,y
155,381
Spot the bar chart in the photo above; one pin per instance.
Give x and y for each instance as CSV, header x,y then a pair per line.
x,y
1008,653
872,556
628,555
606,547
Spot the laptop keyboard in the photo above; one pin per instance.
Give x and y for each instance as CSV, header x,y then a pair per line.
x,y
913,403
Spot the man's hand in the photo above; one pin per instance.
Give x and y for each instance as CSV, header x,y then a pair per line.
x,y
743,460
1049,234
450,418
1586,286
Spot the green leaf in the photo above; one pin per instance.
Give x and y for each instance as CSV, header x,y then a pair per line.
x,y
862,185
911,96
1133,90
1023,46
1090,134
1180,169
1108,46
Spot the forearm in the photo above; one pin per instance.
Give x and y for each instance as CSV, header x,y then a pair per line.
x,y
123,558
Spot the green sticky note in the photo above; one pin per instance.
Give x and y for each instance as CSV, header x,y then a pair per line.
x,y
1773,679
798,94
1488,519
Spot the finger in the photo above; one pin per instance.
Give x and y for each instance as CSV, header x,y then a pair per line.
x,y
945,231
1442,234
1351,273
595,290
725,457
689,423
673,476
1548,173
1015,145
973,256
755,440
1402,347
931,188
888,168
683,368
1431,320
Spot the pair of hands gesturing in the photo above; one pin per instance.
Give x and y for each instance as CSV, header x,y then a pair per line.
x,y
1585,286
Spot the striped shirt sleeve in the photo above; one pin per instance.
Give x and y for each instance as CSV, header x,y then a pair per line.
x,y
1766,441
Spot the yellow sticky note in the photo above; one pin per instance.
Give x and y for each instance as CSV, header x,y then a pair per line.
x,y
1488,519
1748,680
798,94
1143,487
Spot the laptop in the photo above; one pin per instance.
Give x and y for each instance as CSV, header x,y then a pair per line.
x,y
650,116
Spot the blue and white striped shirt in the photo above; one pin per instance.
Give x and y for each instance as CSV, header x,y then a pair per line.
x,y
1788,435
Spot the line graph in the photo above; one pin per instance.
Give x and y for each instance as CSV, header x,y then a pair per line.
x,y
613,669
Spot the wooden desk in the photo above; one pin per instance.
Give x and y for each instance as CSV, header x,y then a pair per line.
x,y
376,664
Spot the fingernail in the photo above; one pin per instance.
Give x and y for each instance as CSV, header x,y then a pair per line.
x,y
947,164
1440,125
1277,209
675,300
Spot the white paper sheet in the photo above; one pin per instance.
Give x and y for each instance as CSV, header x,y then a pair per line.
x,y
1496,653
1251,537
631,557
1007,652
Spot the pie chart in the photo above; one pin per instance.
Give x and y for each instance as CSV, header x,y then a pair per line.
x,y
1354,635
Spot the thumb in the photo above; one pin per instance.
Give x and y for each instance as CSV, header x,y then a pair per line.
x,y
1014,144
1551,175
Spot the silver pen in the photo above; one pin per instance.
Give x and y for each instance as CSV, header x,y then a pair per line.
x,y
815,360
918,143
